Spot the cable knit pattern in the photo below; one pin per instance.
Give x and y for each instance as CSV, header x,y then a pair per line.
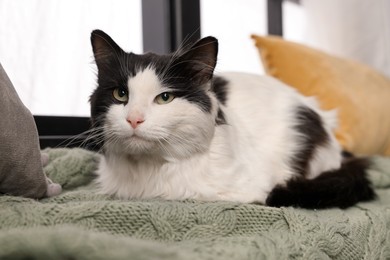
x,y
82,224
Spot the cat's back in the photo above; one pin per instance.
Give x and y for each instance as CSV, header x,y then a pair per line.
x,y
253,90
259,103
251,96
274,122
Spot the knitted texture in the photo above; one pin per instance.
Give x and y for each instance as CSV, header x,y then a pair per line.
x,y
83,224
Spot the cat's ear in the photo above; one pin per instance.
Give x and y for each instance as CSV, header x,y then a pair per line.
x,y
105,50
200,59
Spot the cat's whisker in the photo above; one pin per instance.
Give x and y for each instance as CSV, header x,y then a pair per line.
x,y
76,138
95,131
95,139
180,143
166,149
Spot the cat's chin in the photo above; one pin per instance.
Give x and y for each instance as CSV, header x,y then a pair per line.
x,y
139,145
132,145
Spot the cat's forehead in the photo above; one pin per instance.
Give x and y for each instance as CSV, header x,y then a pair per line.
x,y
145,80
140,62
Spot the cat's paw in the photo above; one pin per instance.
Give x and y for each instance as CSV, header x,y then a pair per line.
x,y
44,159
53,189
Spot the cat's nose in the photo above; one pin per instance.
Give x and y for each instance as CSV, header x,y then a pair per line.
x,y
134,122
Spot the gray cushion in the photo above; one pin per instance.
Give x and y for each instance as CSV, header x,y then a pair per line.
x,y
21,172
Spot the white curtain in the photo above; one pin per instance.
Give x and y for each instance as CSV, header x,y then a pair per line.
x,y
45,48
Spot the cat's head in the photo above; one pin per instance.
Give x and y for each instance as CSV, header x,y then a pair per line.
x,y
153,104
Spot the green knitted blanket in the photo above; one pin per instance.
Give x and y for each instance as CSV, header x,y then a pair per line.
x,y
82,224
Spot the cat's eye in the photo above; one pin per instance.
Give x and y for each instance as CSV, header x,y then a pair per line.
x,y
164,98
120,94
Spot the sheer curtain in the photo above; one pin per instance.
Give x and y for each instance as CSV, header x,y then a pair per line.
x,y
45,48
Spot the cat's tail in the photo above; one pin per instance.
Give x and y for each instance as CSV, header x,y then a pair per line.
x,y
339,188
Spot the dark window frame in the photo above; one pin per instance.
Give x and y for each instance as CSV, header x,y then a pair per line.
x,y
167,23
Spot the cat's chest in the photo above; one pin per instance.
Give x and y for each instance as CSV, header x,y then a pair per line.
x,y
148,178
204,177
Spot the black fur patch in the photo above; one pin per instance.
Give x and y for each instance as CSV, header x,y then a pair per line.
x,y
219,87
313,134
189,72
339,188
347,155
191,93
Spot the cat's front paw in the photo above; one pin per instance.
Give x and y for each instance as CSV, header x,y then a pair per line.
x,y
53,189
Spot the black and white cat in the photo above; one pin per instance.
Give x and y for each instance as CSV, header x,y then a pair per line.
x,y
172,129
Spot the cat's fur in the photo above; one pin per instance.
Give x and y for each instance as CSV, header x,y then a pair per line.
x,y
235,137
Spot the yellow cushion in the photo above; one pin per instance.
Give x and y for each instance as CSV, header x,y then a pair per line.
x,y
360,94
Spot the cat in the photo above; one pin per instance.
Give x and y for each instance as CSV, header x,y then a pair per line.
x,y
171,129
